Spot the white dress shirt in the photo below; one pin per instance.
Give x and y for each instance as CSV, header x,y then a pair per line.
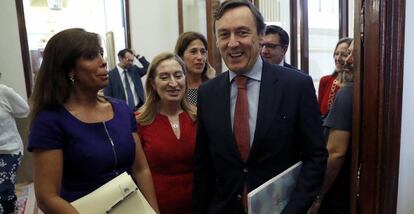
x,y
131,84
253,88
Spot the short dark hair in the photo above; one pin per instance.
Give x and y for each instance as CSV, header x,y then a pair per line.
x,y
274,29
122,52
230,4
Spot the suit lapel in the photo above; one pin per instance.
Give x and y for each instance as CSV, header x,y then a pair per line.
x,y
119,86
223,115
269,100
139,88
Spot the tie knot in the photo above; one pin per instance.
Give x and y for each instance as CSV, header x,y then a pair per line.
x,y
241,81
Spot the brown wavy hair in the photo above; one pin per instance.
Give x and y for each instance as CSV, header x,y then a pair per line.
x,y
182,44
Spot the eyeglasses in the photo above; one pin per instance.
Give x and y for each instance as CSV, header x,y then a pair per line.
x,y
270,45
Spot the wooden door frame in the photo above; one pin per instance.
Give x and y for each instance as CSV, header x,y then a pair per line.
x,y
378,101
24,47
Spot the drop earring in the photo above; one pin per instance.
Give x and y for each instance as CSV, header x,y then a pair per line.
x,y
72,78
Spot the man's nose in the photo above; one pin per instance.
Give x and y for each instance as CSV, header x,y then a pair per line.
x,y
233,42
264,49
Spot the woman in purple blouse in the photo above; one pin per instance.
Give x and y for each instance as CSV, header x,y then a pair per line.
x,y
80,140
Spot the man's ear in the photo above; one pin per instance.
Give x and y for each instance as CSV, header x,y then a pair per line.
x,y
285,48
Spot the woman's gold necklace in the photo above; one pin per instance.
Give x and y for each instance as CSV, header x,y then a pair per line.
x,y
175,125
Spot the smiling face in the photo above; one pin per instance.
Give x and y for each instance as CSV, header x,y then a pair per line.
x,y
237,39
340,56
90,72
169,81
195,57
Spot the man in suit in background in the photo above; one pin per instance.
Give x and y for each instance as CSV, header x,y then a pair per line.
x,y
125,79
274,46
254,121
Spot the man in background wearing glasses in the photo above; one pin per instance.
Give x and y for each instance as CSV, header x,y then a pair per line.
x,y
274,46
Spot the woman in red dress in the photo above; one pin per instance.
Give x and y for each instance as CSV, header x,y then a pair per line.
x,y
330,84
167,128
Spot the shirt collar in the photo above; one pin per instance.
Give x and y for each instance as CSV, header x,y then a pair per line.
x,y
282,63
254,73
121,70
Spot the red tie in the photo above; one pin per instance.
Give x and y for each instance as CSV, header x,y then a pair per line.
x,y
241,125
241,118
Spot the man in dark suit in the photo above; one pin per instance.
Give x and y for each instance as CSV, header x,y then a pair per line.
x,y
254,121
125,79
274,46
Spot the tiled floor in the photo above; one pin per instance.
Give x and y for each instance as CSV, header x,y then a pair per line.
x,y
26,199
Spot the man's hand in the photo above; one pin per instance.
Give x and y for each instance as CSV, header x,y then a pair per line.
x,y
135,54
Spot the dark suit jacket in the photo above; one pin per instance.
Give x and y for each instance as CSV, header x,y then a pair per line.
x,y
115,88
287,65
288,129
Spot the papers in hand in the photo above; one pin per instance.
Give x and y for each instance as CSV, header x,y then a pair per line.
x,y
273,195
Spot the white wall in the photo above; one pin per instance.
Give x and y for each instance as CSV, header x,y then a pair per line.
x,y
405,186
11,63
154,26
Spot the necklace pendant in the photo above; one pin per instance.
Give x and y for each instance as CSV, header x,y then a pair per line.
x,y
174,125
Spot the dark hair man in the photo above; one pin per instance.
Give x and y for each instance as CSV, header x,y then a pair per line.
x,y
254,121
125,79
274,46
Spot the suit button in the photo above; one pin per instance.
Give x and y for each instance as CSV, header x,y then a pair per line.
x,y
239,197
245,170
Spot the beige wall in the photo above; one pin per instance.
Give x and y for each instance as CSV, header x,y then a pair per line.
x,y
154,26
11,65
405,186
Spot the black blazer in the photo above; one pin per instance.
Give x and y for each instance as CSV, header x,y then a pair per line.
x,y
287,65
288,129
115,88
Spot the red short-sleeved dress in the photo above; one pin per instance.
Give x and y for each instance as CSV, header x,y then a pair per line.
x,y
171,161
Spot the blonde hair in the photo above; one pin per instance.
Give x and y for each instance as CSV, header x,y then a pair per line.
x,y
146,114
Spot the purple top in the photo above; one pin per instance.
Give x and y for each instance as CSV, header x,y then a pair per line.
x,y
88,156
